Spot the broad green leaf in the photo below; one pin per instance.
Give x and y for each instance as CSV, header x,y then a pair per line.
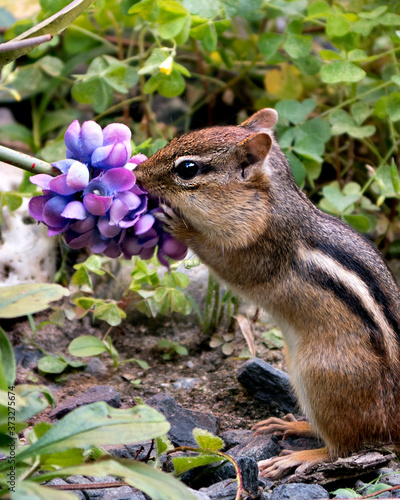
x,y
295,111
330,55
153,62
207,441
15,132
341,71
20,300
158,485
52,26
97,424
12,200
207,34
318,128
338,199
365,26
82,278
85,302
396,79
269,43
337,25
205,8
318,9
394,175
86,345
297,168
308,66
361,132
357,55
373,14
50,364
171,85
95,91
311,148
56,119
389,19
53,66
148,9
346,493
172,19
298,45
33,491
7,362
389,106
34,403
359,222
360,111
183,464
110,313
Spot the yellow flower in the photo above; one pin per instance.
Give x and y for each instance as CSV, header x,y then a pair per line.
x,y
166,66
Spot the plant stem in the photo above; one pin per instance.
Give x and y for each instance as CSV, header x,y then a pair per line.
x,y
26,162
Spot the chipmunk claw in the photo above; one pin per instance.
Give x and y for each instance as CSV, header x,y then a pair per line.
x,y
171,221
287,426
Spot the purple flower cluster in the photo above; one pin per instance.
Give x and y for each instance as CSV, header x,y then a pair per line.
x,y
95,201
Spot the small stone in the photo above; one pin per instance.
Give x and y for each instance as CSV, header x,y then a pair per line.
x,y
186,383
299,491
224,490
97,393
199,494
235,437
57,481
97,368
257,447
27,357
267,384
182,421
389,476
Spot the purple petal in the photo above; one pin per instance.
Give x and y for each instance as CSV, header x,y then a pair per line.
x,y
116,132
136,159
41,180
71,138
149,239
78,176
74,210
113,250
53,231
106,229
173,248
130,246
82,226
97,244
144,224
138,190
59,185
130,199
118,179
147,253
118,211
111,156
77,241
52,212
63,165
162,259
91,137
97,205
36,205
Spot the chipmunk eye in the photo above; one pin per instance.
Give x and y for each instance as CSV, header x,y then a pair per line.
x,y
187,169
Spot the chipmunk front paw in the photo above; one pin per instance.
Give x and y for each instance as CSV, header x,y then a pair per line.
x,y
287,426
172,222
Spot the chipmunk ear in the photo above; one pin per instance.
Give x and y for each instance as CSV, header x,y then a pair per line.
x,y
254,148
263,119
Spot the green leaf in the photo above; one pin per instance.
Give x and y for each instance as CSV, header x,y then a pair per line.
x,y
82,278
171,85
95,91
172,19
153,62
295,111
389,106
156,484
389,19
311,148
110,313
183,464
394,175
297,168
269,43
207,441
97,424
360,111
207,34
15,132
309,65
85,302
50,364
13,201
33,400
318,128
330,55
33,491
337,25
20,300
52,26
340,201
365,26
341,71
147,9
373,14
359,222
53,66
298,45
318,9
347,493
361,132
86,345
7,362
205,8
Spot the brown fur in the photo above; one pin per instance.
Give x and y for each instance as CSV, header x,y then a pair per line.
x,y
325,285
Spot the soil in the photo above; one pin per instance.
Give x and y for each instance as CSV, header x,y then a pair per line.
x,y
216,390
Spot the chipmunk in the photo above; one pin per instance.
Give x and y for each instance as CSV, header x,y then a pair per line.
x,y
231,197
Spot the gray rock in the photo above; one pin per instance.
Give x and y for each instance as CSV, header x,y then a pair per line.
x,y
97,393
224,490
389,476
199,494
182,421
267,384
26,356
57,481
97,368
299,491
257,447
235,437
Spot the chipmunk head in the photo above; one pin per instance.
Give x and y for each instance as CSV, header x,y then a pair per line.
x,y
217,178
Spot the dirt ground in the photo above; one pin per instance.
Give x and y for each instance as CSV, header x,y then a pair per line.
x,y
216,391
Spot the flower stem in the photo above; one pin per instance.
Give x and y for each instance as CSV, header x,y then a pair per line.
x,y
26,162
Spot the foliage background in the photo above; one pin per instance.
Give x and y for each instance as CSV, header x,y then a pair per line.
x,y
166,66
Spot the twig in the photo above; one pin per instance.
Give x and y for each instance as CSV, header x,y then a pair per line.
x,y
26,162
20,44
